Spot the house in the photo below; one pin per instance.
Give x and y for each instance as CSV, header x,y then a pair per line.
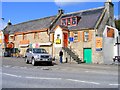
x,y
79,34
1,39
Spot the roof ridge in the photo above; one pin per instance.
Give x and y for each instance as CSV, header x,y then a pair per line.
x,y
34,20
84,10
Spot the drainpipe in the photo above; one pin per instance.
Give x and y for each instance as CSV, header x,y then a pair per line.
x,y
117,46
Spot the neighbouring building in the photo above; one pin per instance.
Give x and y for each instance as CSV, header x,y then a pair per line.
x,y
79,34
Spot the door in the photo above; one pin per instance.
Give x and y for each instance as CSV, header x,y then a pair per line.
x,y
65,39
87,55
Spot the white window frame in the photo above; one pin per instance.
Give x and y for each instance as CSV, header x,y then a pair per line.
x,y
86,36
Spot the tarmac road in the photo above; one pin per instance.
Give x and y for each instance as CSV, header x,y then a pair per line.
x,y
17,74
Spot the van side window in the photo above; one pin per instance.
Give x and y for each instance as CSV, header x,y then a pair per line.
x,y
30,49
27,50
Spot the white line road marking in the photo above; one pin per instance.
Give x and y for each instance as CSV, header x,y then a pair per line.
x,y
82,81
52,79
115,84
16,67
23,67
43,78
6,66
11,75
99,72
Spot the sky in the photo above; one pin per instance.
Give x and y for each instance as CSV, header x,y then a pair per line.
x,y
18,12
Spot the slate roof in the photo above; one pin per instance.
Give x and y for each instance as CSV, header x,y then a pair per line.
x,y
88,19
37,24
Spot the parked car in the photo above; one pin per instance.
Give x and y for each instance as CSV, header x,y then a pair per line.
x,y
35,55
116,58
7,54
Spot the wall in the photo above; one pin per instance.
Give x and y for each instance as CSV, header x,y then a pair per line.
x,y
58,31
42,38
79,46
108,46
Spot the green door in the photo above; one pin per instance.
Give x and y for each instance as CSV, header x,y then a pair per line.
x,y
87,55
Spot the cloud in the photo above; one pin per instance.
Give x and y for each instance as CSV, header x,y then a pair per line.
x,y
67,2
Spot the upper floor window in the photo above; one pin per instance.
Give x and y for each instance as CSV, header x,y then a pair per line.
x,y
11,37
68,21
64,22
71,21
75,36
74,20
86,36
36,35
24,37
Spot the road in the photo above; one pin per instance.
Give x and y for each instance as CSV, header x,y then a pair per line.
x,y
17,74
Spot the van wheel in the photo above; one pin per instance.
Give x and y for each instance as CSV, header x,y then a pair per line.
x,y
33,62
26,60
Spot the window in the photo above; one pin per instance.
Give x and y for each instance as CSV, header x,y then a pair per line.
x,y
86,36
27,51
36,35
75,36
58,35
24,37
64,22
68,21
74,20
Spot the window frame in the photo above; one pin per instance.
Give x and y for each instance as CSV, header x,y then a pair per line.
x,y
24,36
74,35
75,20
65,21
71,21
36,35
86,39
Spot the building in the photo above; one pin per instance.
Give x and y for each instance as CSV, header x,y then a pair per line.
x,y
79,34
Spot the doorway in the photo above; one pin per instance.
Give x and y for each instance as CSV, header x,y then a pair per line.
x,y
87,55
65,41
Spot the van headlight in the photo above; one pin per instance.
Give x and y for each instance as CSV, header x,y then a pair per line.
x,y
50,57
36,56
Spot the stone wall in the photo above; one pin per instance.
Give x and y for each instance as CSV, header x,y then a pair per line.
x,y
43,37
78,47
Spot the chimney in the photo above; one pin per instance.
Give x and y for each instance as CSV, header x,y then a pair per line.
x,y
60,11
9,23
109,6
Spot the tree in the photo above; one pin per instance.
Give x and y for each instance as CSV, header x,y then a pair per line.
x,y
117,24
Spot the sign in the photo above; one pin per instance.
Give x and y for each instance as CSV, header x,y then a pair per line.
x,y
0,41
71,39
110,32
58,41
24,42
98,43
37,45
30,45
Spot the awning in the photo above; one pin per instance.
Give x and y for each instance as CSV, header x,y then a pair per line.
x,y
45,44
23,45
